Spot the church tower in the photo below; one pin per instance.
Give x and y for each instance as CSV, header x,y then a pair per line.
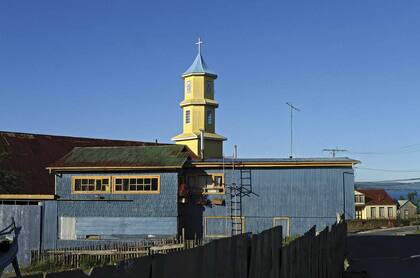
x,y
199,110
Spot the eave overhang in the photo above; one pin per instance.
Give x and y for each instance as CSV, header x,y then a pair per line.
x,y
291,164
110,168
206,102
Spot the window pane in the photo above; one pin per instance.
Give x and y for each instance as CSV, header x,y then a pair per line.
x,y
98,185
105,181
132,181
140,187
132,187
118,181
209,117
125,183
77,185
147,187
154,184
140,181
118,188
218,181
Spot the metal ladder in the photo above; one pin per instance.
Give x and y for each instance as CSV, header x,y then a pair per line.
x,y
236,192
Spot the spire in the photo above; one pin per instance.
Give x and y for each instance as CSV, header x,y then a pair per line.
x,y
199,66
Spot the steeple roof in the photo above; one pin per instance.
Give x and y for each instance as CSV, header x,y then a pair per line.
x,y
199,66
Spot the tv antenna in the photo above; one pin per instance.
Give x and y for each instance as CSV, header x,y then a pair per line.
x,y
292,108
334,151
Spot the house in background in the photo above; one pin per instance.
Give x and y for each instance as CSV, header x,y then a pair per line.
x,y
374,204
406,209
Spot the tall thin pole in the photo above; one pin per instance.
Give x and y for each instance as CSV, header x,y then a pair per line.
x,y
292,108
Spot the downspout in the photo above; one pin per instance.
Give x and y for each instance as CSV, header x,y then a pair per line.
x,y
202,144
344,192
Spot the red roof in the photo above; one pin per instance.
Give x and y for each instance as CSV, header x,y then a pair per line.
x,y
376,197
30,154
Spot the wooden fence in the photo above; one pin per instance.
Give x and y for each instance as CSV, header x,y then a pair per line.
x,y
243,256
112,252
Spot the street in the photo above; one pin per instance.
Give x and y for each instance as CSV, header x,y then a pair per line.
x,y
399,231
386,253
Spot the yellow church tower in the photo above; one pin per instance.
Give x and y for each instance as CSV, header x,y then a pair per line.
x,y
198,108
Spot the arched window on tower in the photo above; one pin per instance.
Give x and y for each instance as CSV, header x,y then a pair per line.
x,y
209,117
188,86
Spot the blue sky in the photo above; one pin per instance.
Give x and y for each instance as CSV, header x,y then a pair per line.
x,y
112,69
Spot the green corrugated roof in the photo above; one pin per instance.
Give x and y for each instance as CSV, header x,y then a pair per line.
x,y
132,156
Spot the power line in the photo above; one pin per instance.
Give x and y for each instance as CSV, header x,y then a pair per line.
x,y
407,149
403,181
388,170
400,180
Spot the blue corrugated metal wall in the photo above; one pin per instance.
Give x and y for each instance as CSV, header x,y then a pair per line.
x,y
147,212
28,217
305,196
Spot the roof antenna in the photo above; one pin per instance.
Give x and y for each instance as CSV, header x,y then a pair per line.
x,y
292,108
334,151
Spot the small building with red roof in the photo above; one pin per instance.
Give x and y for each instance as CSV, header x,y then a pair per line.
x,y
374,204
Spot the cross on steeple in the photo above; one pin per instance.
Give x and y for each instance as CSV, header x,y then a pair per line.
x,y
199,43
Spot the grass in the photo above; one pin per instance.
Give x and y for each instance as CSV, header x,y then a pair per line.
x,y
45,266
48,266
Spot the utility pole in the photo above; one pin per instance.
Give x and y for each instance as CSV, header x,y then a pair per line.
x,y
292,108
334,151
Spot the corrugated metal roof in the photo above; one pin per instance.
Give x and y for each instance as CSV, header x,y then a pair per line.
x,y
376,197
120,157
30,154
